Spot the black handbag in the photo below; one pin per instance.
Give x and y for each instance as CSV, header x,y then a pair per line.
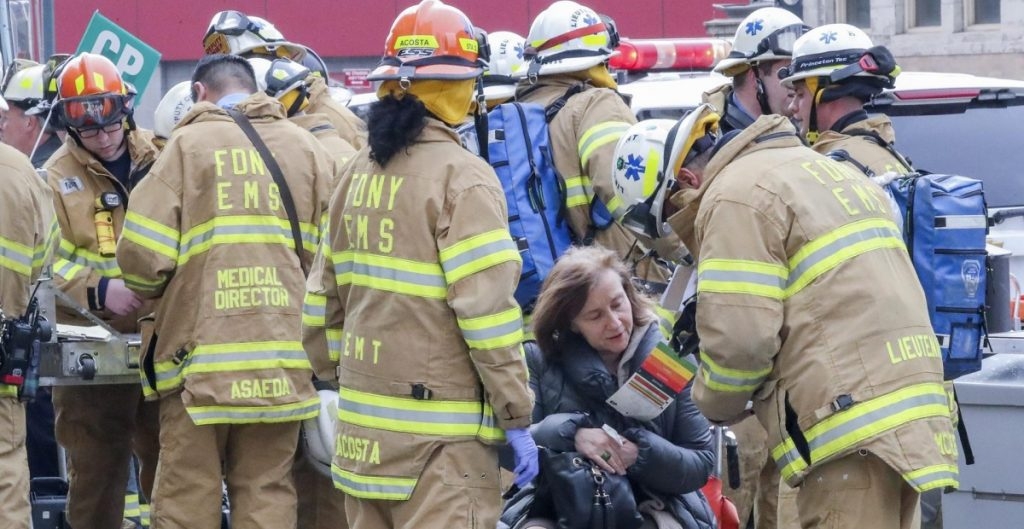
x,y
584,496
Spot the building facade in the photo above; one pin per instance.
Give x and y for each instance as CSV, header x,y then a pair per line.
x,y
982,37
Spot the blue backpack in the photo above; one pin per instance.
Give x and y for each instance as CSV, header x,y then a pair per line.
x,y
518,149
945,221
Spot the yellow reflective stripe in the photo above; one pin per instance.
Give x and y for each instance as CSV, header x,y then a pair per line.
x,y
151,235
104,266
599,135
392,274
489,431
477,253
410,415
16,257
372,487
42,250
314,310
216,358
334,344
243,229
862,421
933,477
242,356
144,514
738,276
141,283
578,191
495,331
730,380
666,321
297,411
615,207
832,249
131,506
66,269
8,391
528,335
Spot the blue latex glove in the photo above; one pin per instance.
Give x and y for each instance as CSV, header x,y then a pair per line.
x,y
527,463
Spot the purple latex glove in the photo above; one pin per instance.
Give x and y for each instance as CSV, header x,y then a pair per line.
x,y
527,463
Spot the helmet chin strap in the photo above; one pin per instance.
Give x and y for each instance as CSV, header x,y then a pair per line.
x,y
812,121
762,95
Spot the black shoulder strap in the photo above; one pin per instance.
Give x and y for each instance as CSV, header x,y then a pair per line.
x,y
551,110
842,156
875,137
275,171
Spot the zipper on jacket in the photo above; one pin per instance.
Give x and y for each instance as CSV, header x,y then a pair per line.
x,y
909,220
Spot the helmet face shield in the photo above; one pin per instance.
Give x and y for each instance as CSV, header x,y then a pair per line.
x,y
94,111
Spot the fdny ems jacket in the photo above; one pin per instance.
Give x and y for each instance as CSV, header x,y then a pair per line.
x,y
809,306
415,288
207,231
77,179
350,127
28,234
855,139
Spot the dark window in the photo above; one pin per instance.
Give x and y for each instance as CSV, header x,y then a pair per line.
x,y
960,142
858,13
927,13
986,11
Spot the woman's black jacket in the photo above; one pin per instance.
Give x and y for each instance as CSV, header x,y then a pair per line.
x,y
676,449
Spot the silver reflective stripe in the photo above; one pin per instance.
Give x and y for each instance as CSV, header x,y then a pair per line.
x,y
374,489
221,231
834,247
152,235
477,253
252,356
492,332
938,476
260,414
961,222
315,310
730,276
851,426
16,256
390,274
381,412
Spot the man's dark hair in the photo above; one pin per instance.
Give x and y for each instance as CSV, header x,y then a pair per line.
x,y
219,72
764,69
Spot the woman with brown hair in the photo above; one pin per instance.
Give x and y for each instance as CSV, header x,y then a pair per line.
x,y
594,330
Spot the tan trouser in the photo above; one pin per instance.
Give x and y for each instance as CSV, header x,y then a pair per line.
x,y
254,459
321,506
14,508
856,492
759,477
458,488
100,427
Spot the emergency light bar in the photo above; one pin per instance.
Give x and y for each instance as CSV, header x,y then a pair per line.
x,y
669,54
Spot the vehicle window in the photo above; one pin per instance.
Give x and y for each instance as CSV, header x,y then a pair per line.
x,y
969,143
662,113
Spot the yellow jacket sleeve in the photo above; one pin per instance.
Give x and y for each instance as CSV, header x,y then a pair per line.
x,y
742,272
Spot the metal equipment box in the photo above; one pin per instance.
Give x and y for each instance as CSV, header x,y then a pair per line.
x,y
992,489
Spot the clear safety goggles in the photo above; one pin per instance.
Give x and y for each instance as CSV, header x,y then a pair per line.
x,y
233,24
94,112
780,42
